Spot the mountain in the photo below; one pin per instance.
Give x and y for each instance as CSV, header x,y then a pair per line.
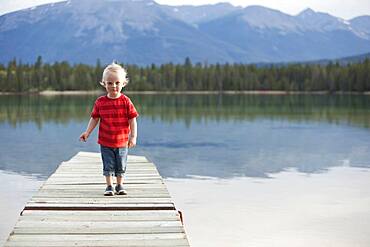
x,y
361,25
310,20
271,36
197,14
343,60
127,30
144,32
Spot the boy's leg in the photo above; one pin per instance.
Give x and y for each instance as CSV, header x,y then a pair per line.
x,y
119,180
109,180
120,169
108,158
120,164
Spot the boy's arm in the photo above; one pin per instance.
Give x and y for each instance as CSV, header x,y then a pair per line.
x,y
133,132
90,127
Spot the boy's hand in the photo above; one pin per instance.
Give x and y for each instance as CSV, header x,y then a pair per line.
x,y
84,136
131,142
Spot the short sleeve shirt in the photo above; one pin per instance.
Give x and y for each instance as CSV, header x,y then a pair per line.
x,y
114,117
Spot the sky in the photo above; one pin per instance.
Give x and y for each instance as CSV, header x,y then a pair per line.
x,y
339,8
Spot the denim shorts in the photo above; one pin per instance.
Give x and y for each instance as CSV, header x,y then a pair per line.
x,y
114,160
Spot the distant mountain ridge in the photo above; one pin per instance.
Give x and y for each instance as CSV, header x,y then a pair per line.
x,y
144,32
345,60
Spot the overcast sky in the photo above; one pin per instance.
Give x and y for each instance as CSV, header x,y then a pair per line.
x,y
340,8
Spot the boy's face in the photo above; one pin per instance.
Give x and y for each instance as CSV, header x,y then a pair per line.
x,y
113,84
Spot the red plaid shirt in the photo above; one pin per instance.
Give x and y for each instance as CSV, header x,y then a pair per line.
x,y
114,114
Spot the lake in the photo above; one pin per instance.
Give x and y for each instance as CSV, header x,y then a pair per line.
x,y
245,170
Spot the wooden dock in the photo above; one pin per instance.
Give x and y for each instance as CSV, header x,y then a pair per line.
x,y
70,209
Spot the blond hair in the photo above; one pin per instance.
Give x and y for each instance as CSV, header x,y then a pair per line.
x,y
115,68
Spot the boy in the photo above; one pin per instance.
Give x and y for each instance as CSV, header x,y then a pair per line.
x,y
117,128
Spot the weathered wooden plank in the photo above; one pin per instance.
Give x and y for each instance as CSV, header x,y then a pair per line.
x,y
98,179
131,171
100,196
100,213
97,186
110,200
36,227
67,229
99,170
98,176
109,214
113,226
98,164
93,237
130,181
102,242
83,162
100,218
98,191
106,206
138,215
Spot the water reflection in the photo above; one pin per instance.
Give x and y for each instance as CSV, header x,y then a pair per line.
x,y
350,109
202,135
292,209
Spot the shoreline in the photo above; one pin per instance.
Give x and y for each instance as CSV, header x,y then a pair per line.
x,y
227,92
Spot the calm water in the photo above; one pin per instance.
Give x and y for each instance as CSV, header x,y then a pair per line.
x,y
224,137
217,136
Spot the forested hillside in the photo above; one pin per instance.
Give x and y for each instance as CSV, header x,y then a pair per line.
x,y
62,76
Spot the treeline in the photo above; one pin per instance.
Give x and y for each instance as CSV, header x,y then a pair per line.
x,y
61,76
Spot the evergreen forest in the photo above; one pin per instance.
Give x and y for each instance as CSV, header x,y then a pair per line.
x,y
18,77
